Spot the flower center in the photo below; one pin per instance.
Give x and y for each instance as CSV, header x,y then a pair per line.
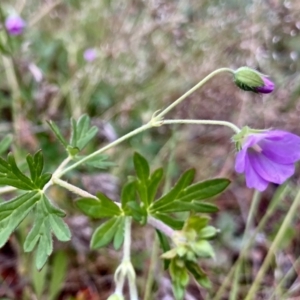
x,y
256,148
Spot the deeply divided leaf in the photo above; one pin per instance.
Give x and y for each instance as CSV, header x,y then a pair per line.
x,y
82,132
185,180
11,175
13,212
48,218
104,234
98,208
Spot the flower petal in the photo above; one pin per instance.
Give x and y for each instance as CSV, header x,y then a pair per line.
x,y
270,170
253,179
280,152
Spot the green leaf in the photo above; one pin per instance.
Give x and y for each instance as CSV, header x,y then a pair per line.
x,y
170,221
82,133
119,236
196,206
204,190
11,175
59,270
141,167
5,143
57,133
165,246
185,180
39,280
128,194
104,234
47,219
13,212
153,184
137,212
198,274
196,223
101,208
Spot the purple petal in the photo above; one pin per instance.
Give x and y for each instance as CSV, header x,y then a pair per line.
x,y
240,161
240,157
270,170
281,147
267,88
253,179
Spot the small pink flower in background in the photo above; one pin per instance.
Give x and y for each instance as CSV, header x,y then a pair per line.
x,y
90,54
15,25
268,156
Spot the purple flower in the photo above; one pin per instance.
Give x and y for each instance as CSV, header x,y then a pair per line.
x,y
90,54
267,88
268,157
14,24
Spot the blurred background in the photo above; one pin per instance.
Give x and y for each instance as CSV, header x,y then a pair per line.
x,y
142,56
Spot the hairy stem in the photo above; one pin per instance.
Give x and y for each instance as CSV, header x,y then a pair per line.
x,y
199,122
193,89
73,188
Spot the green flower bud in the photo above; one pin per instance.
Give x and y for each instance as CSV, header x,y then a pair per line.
x,y
248,79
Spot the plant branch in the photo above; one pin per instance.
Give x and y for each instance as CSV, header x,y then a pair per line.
x,y
193,89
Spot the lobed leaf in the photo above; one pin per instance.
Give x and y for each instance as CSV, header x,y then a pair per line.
x,y
47,218
57,133
104,234
98,208
13,212
82,133
204,190
185,180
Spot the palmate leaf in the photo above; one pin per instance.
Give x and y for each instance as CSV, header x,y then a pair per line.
x,y
13,212
185,197
81,135
48,218
102,207
106,232
11,175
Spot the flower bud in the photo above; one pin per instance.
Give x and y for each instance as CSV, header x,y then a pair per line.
x,y
14,25
251,80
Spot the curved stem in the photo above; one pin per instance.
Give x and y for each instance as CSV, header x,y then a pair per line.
x,y
282,231
72,188
199,122
193,89
116,142
168,231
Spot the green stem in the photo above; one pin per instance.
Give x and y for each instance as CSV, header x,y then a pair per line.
x,y
254,204
197,86
126,269
284,226
280,194
116,142
156,121
199,122
72,188
168,231
151,271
